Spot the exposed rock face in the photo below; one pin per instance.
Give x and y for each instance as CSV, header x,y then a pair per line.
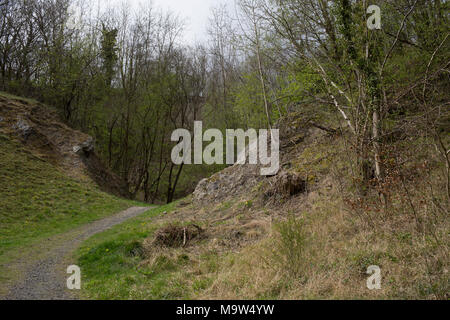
x,y
241,180
23,128
201,189
286,185
227,183
85,148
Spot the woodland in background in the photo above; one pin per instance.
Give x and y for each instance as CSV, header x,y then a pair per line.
x,y
127,79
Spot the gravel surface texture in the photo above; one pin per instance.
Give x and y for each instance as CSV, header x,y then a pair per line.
x,y
46,278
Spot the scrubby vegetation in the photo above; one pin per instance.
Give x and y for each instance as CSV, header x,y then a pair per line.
x,y
364,122
313,245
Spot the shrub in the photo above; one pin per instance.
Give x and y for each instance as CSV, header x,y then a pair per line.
x,y
290,246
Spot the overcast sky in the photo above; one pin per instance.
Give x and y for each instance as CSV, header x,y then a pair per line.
x,y
196,13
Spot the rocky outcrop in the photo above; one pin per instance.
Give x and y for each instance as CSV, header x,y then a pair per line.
x,y
23,128
241,180
228,183
286,185
85,148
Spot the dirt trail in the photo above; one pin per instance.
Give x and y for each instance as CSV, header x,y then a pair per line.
x,y
45,279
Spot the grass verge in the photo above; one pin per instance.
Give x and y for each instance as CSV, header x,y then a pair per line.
x,y
109,262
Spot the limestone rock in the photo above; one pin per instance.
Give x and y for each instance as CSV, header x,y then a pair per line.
x,y
23,128
86,147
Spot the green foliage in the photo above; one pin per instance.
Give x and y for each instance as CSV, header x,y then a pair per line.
x,y
248,103
129,83
290,246
108,53
299,83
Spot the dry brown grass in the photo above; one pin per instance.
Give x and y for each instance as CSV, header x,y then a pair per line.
x,y
408,240
334,261
318,244
177,236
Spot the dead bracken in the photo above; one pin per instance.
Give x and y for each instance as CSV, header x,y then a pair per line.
x,y
177,236
286,185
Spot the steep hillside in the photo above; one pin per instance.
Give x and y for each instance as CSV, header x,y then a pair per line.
x,y
41,131
297,235
46,188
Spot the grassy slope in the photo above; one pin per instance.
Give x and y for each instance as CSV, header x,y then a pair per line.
x,y
38,200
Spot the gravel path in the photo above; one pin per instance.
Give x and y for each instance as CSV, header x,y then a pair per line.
x,y
46,278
